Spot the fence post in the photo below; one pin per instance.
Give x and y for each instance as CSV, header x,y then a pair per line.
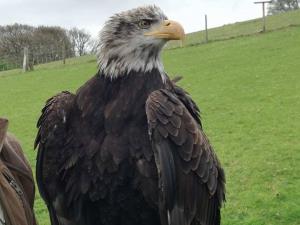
x,y
264,17
64,52
206,31
263,12
25,60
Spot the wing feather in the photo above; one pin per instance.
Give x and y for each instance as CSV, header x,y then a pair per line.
x,y
191,178
50,137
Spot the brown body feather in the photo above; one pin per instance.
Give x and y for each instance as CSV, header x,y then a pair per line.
x,y
97,164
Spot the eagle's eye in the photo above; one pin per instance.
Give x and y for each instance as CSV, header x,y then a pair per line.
x,y
144,24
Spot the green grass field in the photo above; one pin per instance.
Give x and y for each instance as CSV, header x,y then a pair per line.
x,y
248,89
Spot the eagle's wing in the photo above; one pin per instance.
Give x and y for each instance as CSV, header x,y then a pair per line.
x,y
188,102
50,139
190,176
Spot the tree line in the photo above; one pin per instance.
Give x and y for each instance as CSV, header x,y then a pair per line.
x,y
44,43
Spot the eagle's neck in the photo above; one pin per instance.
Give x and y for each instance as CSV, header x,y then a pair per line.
x,y
121,60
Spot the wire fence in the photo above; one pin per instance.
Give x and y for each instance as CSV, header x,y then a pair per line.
x,y
34,56
8,62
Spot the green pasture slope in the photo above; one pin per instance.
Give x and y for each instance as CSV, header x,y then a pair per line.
x,y
248,89
239,29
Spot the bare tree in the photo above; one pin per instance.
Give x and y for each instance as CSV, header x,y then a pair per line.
x,y
93,46
13,39
79,39
277,6
52,43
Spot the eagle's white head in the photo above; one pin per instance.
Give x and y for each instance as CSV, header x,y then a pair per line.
x,y
132,41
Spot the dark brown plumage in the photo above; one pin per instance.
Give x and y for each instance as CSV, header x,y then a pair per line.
x,y
190,174
127,149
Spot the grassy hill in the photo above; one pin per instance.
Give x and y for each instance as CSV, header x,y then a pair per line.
x,y
229,31
248,89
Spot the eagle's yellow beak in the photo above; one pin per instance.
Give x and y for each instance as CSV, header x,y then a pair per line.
x,y
169,29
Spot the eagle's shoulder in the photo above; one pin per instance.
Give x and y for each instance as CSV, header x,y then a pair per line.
x,y
54,114
184,97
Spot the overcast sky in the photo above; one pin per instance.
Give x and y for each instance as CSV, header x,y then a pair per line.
x,y
91,14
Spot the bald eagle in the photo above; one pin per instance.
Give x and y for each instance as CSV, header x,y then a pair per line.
x,y
128,148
